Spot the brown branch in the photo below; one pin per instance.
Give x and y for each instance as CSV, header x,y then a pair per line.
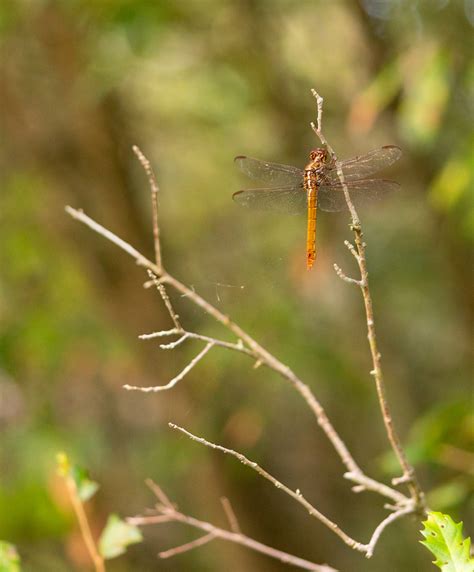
x,y
359,254
166,300
154,198
84,525
188,546
262,355
167,513
175,380
246,344
367,549
238,347
230,514
383,525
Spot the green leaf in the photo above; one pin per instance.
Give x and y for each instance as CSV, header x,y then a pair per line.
x,y
444,539
9,559
116,536
86,488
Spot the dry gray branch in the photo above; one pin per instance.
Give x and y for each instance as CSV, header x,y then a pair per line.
x,y
366,549
230,514
166,512
154,199
408,476
175,380
248,346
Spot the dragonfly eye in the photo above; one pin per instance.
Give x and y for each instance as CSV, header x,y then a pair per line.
x,y
319,154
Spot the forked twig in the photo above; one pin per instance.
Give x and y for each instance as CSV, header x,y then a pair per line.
x,y
230,514
188,546
247,345
408,476
166,300
175,380
259,353
166,512
84,525
367,549
154,199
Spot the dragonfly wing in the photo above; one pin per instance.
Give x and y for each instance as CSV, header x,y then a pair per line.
x,y
272,173
362,166
289,200
331,197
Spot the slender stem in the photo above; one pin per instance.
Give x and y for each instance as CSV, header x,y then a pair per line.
x,y
167,512
383,525
154,198
175,380
408,470
258,351
188,546
296,495
84,526
230,514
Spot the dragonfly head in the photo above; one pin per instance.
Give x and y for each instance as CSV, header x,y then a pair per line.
x,y
318,158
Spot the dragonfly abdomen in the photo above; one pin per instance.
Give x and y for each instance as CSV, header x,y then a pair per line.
x,y
311,187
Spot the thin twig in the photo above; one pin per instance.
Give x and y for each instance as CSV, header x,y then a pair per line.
x,y
159,493
408,470
296,495
264,356
154,198
238,347
84,525
188,546
383,525
347,279
230,514
166,300
175,380
175,344
167,513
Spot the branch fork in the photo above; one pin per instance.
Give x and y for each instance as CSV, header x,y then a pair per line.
x,y
167,511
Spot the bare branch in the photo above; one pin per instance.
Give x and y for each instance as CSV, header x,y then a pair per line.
x,y
365,483
246,344
154,201
175,344
84,525
175,380
352,249
238,347
167,514
159,493
141,260
296,495
164,295
383,525
408,470
230,514
347,279
263,355
188,546
160,334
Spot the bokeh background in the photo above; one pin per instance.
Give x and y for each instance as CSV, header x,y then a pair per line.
x,y
195,83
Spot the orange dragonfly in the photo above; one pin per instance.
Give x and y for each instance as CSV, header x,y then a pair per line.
x,y
303,191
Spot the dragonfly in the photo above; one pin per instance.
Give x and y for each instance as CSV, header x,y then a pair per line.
x,y
304,191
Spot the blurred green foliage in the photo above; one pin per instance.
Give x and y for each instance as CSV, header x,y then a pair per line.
x,y
195,83
9,558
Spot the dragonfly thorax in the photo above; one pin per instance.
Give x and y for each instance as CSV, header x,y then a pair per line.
x,y
317,160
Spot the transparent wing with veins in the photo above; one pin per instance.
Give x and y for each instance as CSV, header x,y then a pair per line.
x,y
287,193
362,166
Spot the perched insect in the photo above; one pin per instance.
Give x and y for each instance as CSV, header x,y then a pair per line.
x,y
303,191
